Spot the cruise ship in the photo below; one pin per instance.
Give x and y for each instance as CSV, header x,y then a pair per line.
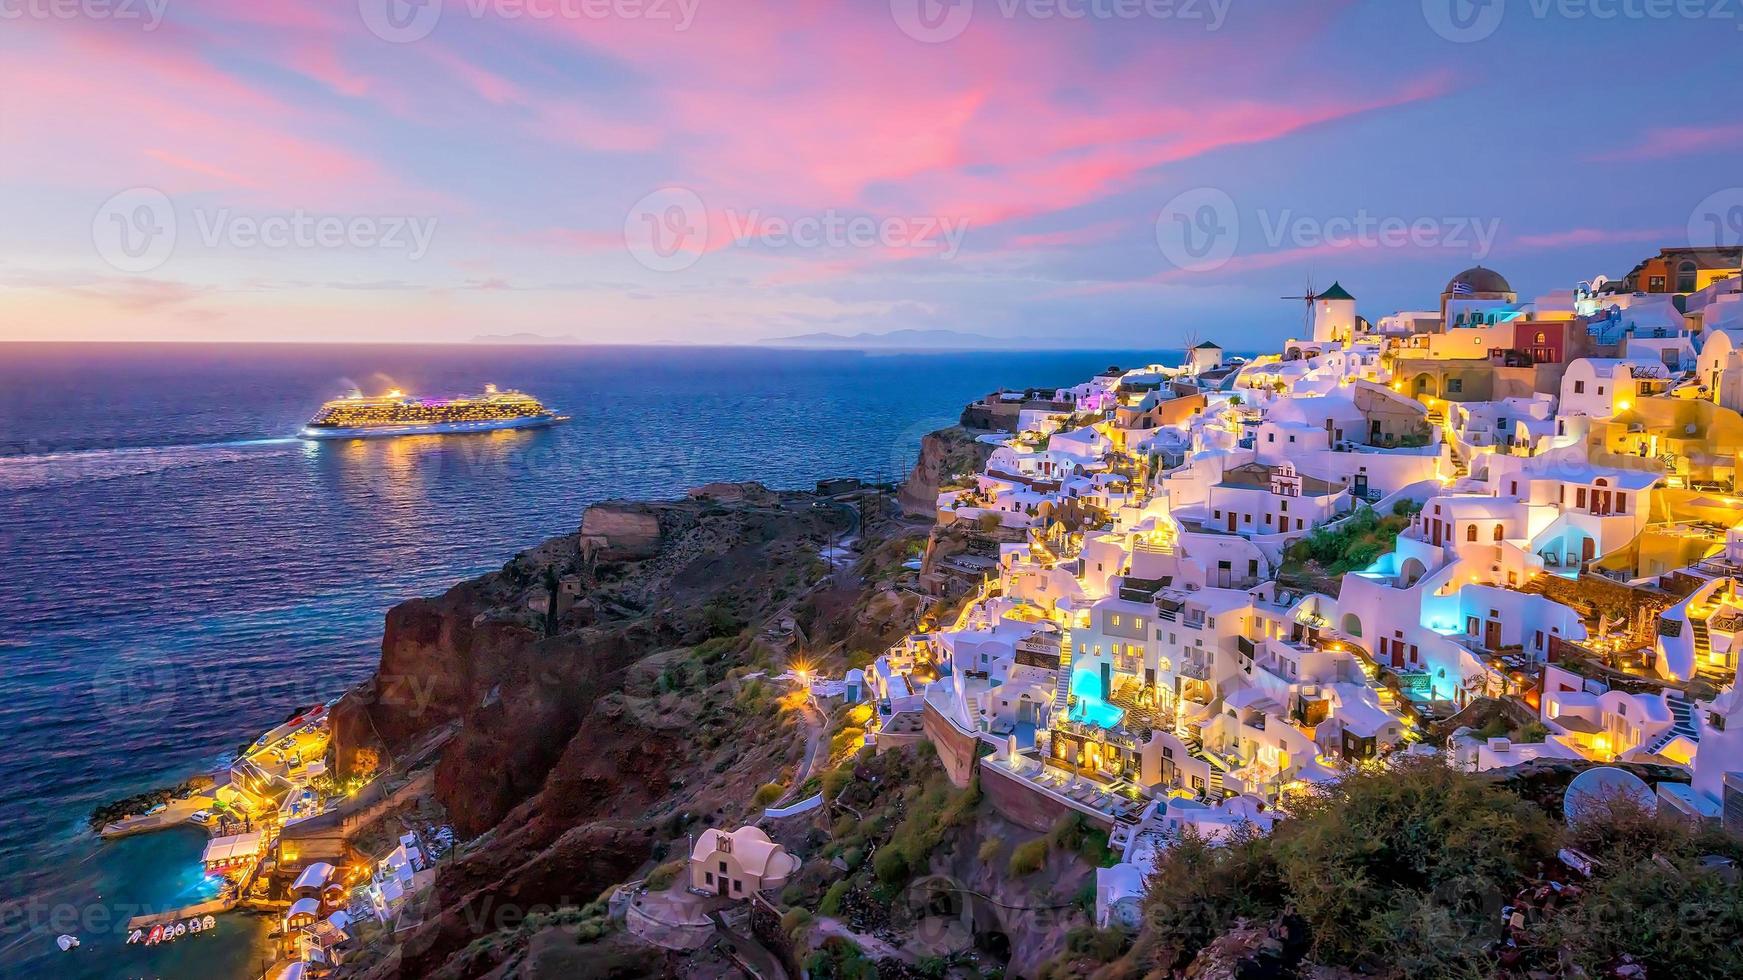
x,y
398,414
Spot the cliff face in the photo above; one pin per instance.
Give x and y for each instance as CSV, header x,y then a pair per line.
x,y
943,454
565,736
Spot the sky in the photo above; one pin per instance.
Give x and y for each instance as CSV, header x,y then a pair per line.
x,y
1117,173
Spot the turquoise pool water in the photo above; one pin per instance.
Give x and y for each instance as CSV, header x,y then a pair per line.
x,y
1092,707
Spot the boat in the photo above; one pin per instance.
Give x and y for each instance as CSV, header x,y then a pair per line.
x,y
356,416
66,942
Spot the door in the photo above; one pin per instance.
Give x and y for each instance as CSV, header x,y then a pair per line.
x,y
1361,485
1231,522
720,883
1492,635
1588,548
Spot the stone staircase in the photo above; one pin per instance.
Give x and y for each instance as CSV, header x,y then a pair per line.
x,y
1195,747
1682,721
1719,674
1461,466
1062,684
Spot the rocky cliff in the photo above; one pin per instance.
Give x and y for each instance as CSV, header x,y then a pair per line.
x,y
944,455
576,735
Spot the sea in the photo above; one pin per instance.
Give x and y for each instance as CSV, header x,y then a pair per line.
x,y
178,572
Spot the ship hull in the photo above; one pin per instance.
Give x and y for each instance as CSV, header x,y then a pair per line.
x,y
325,434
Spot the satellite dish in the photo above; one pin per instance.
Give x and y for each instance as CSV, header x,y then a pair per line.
x,y
1591,791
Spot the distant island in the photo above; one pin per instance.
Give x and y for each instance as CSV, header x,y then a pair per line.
x,y
894,340
526,339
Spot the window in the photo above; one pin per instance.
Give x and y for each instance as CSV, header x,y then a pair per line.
x,y
1579,387
1685,276
737,885
1498,533
1471,533
708,877
1454,385
1621,502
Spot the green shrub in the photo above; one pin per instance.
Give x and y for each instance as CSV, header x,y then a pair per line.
x,y
767,794
1029,856
989,849
890,866
831,904
662,877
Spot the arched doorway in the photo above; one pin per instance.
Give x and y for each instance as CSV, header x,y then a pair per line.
x,y
1351,624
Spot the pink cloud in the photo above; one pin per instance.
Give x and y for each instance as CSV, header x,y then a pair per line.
x,y
1675,141
1091,234
1595,236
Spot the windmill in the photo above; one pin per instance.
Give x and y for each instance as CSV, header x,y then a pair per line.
x,y
1307,299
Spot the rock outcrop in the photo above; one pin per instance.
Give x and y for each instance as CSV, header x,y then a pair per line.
x,y
620,531
563,747
944,455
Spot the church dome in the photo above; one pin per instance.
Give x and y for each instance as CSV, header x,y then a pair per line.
x,y
1478,280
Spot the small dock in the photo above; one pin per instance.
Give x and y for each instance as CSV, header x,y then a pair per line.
x,y
217,906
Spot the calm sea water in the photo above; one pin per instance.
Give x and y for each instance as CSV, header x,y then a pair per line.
x,y
177,573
